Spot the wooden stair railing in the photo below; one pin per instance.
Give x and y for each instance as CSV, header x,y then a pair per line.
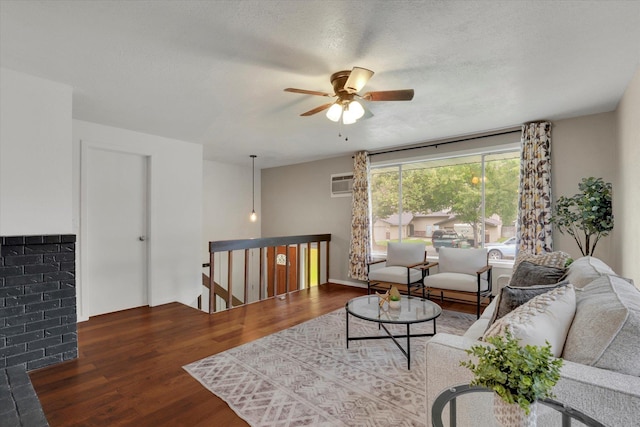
x,y
261,243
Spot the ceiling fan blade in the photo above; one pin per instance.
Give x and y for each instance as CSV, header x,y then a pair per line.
x,y
317,109
357,79
306,92
389,95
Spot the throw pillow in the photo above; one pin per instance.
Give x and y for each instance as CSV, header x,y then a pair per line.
x,y
606,327
546,317
584,270
556,259
512,297
530,274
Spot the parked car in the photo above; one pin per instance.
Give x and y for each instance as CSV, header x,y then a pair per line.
x,y
448,239
506,249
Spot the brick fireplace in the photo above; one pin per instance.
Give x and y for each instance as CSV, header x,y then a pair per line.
x,y
37,300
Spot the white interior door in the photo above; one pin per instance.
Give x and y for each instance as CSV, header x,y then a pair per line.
x,y
115,218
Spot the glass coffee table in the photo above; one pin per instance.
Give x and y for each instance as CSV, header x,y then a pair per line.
x,y
412,310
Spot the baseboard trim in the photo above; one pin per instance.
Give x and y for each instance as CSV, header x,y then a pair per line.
x,y
348,283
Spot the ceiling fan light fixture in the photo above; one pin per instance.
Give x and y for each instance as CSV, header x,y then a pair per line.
x,y
348,117
356,109
334,112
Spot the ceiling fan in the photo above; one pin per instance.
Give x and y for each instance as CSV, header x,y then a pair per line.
x,y
346,85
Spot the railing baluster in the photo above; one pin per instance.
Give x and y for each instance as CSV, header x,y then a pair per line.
x,y
246,276
308,263
287,262
212,292
230,280
298,267
318,263
326,260
261,284
274,276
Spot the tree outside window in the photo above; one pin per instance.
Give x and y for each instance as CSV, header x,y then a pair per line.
x,y
469,191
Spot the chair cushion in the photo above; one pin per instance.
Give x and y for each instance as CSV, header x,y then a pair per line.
x,y
546,317
405,254
530,274
456,281
606,327
394,275
465,261
584,270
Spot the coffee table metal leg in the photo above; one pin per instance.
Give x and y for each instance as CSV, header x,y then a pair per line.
x,y
347,322
408,348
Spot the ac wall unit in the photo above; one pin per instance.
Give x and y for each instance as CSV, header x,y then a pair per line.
x,y
341,184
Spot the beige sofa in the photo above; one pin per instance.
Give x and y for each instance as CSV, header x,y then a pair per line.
x,y
601,373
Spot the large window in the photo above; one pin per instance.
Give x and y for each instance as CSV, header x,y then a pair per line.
x,y
465,201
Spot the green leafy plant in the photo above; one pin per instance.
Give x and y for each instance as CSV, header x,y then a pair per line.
x,y
587,216
517,374
394,298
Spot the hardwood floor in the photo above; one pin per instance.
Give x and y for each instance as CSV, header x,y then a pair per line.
x,y
129,371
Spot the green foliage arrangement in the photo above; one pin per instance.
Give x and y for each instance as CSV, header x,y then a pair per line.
x,y
517,374
587,216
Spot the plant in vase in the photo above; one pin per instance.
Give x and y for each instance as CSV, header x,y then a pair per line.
x,y
394,298
518,375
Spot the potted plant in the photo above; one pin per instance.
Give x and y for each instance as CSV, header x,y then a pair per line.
x,y
519,376
587,216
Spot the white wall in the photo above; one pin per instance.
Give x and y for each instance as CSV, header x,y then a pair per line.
x,y
175,208
296,200
35,155
627,195
227,202
582,147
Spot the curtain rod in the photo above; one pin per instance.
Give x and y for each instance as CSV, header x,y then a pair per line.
x,y
436,144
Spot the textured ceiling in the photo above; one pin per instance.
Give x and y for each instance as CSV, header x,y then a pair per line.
x,y
212,72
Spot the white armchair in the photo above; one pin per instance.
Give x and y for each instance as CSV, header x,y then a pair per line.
x,y
402,266
464,271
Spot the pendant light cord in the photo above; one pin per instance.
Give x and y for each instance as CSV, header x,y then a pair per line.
x,y
253,182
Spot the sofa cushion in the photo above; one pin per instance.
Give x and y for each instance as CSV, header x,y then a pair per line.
x,y
530,274
479,327
586,269
606,327
546,317
556,259
512,297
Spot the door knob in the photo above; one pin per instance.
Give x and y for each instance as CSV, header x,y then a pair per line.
x,y
142,238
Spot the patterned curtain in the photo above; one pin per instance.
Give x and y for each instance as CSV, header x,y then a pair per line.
x,y
534,208
359,248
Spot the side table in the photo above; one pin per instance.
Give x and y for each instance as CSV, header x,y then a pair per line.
x,y
449,396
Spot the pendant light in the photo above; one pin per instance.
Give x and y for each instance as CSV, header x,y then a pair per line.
x,y
253,217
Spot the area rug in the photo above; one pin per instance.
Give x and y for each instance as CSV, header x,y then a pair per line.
x,y
305,375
